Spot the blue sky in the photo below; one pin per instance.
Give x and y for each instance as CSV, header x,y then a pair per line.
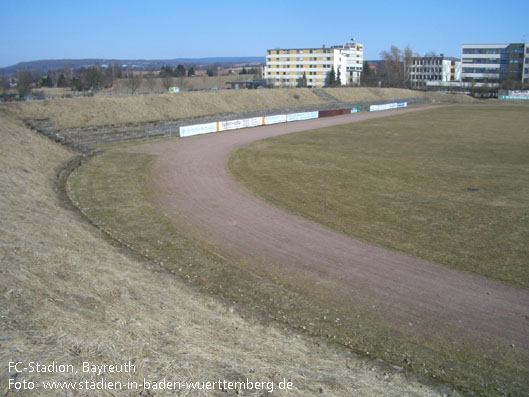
x,y
162,29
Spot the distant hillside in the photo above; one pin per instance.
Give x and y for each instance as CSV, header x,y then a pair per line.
x,y
54,64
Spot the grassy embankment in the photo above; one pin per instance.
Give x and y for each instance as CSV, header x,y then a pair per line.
x,y
104,110
112,190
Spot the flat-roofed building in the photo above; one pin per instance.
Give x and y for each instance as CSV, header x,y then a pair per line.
x,y
434,68
285,67
494,63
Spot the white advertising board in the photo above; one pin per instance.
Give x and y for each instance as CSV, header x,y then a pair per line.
x,y
513,97
395,105
517,94
302,116
198,129
279,118
242,123
522,93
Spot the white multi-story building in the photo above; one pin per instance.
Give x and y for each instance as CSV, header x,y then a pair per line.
x,y
494,63
285,67
430,69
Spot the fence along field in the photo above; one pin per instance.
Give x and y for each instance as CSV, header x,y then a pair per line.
x,y
199,129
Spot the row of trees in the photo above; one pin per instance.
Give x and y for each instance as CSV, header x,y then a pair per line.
x,y
84,79
333,79
395,65
95,78
179,71
252,70
81,79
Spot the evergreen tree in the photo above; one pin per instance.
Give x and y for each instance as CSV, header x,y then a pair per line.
x,y
302,81
180,71
166,71
45,82
368,78
331,78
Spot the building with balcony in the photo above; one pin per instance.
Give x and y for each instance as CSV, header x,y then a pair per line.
x,y
286,67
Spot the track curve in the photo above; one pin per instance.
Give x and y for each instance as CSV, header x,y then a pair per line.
x,y
191,183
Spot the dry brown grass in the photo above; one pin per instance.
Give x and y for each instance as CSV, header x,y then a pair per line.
x,y
364,94
66,295
101,110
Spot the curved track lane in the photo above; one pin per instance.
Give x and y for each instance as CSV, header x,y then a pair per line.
x,y
191,183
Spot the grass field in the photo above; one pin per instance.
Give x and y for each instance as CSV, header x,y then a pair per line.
x,y
449,185
112,189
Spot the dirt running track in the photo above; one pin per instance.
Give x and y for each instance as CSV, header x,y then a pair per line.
x,y
401,292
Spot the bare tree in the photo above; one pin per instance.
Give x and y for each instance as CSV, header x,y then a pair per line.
x,y
94,78
133,81
167,82
408,59
182,82
4,83
151,83
24,81
395,66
